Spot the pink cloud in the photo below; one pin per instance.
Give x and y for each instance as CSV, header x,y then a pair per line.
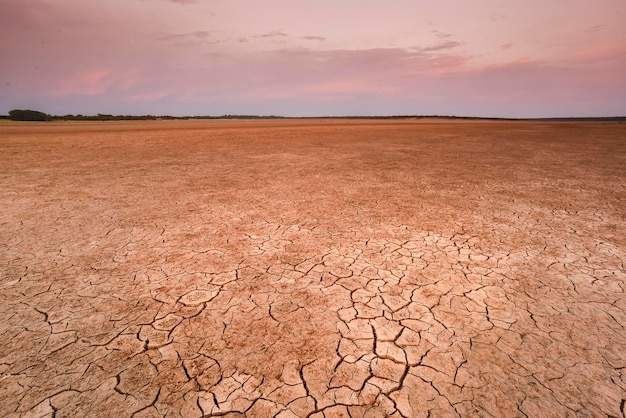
x,y
299,73
91,82
272,34
313,38
197,35
601,52
441,35
409,77
594,28
440,47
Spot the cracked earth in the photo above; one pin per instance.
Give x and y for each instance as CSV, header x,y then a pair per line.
x,y
313,269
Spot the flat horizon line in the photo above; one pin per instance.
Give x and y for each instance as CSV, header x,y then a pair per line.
x,y
110,117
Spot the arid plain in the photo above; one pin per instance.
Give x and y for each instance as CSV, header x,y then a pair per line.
x,y
322,268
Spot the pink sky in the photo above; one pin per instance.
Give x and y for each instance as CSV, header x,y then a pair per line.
x,y
526,58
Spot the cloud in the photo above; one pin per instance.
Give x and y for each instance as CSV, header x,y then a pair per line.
x,y
333,74
506,46
207,37
541,88
281,34
195,38
92,82
313,38
595,28
440,47
272,34
441,35
390,78
190,36
600,53
182,1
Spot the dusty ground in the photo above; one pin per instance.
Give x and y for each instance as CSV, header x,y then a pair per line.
x,y
312,268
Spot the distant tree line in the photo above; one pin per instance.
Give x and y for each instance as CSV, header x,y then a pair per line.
x,y
34,115
102,116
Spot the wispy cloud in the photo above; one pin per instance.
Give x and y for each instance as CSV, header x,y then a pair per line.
x,y
284,35
361,71
272,34
605,52
194,38
312,38
441,35
197,35
182,1
595,28
92,82
440,47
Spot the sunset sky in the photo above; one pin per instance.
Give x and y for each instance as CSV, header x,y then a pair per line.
x,y
531,58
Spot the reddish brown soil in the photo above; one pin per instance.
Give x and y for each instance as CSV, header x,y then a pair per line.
x,y
312,268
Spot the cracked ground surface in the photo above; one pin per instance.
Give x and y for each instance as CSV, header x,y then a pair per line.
x,y
312,268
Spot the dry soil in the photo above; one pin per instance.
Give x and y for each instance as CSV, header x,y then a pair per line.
x,y
320,268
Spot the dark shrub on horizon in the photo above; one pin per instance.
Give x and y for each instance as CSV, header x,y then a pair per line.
x,y
29,115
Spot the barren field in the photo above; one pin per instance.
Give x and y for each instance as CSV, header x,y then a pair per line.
x,y
320,268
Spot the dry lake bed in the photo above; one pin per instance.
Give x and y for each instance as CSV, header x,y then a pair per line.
x,y
321,268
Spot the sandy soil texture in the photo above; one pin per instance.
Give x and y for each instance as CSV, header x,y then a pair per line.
x,y
312,268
